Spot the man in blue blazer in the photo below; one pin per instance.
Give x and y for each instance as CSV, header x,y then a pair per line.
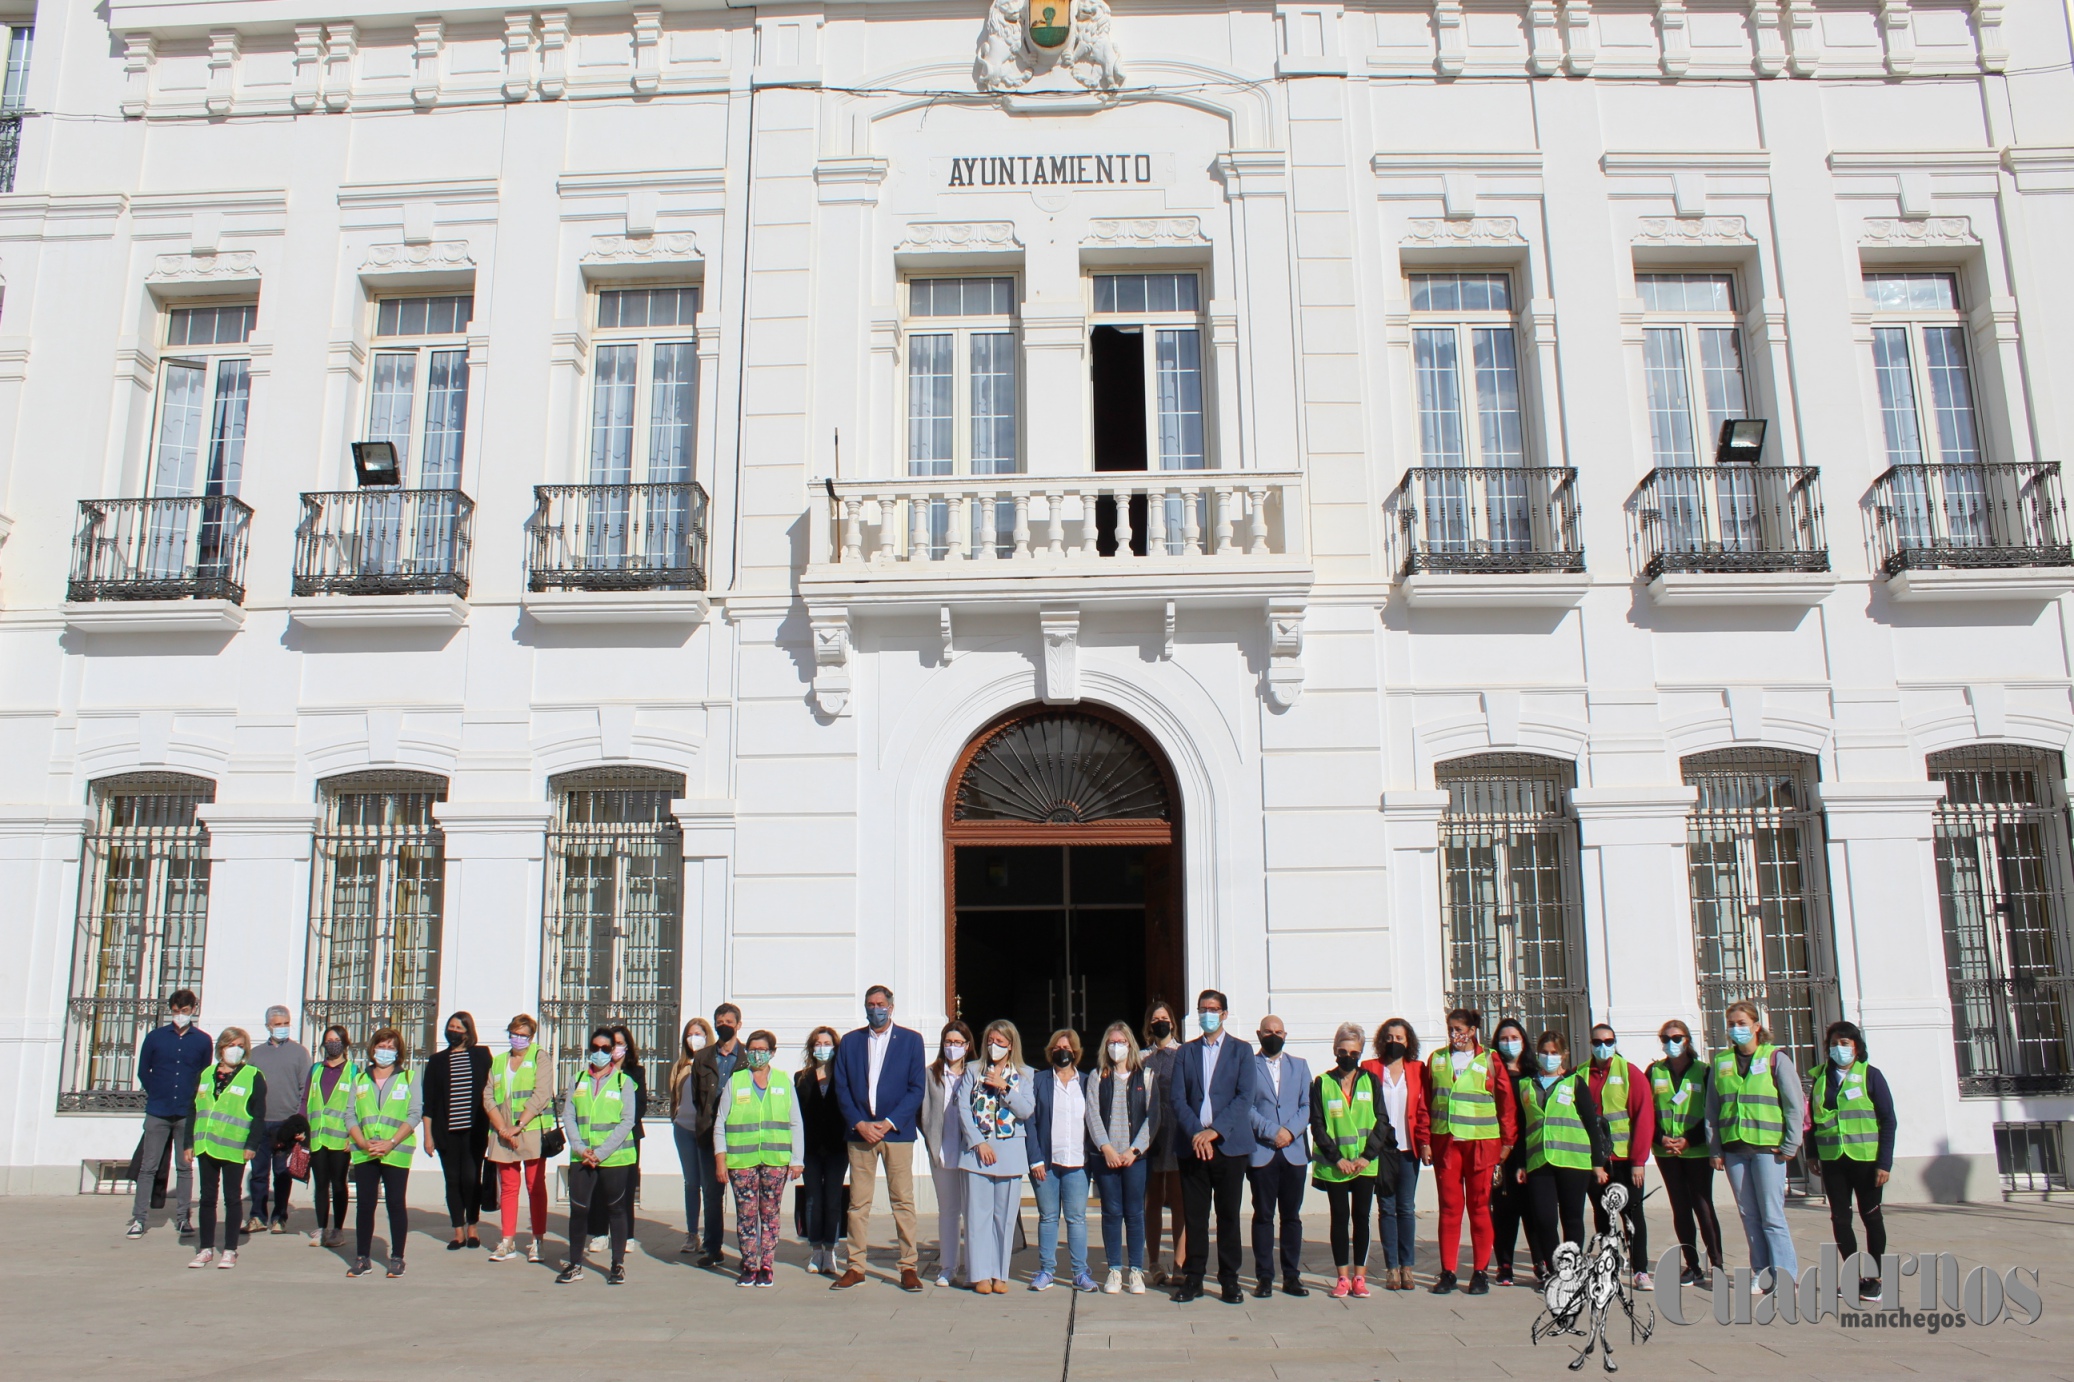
x,y
879,1083
1281,1127
1210,1095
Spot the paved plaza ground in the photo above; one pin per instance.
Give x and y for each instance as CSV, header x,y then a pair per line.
x,y
78,1301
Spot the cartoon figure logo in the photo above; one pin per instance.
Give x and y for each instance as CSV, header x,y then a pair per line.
x,y
1586,1284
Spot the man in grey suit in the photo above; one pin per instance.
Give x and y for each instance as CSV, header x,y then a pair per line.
x,y
1281,1127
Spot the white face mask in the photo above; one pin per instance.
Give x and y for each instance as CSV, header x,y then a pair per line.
x,y
997,1050
182,1020
698,1042
233,1055
1119,1051
954,1051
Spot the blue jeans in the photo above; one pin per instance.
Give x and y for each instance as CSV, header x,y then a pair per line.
x,y
701,1186
1123,1212
270,1165
1758,1180
1062,1188
1396,1217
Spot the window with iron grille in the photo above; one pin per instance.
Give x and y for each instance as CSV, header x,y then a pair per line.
x,y
143,914
2031,1157
614,914
2002,887
1509,901
1760,896
378,892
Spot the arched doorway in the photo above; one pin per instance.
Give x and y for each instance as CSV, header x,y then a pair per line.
x,y
1062,874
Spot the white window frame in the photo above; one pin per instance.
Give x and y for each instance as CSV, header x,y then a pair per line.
x,y
1151,323
1465,322
17,54
1692,325
211,359
410,456
1930,447
962,330
645,340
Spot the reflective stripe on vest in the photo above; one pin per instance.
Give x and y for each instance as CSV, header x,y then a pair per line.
x,y
1348,1122
1555,1132
1749,1103
1681,1109
1463,1105
759,1121
1613,1104
328,1116
598,1112
381,1114
515,1087
1851,1130
223,1122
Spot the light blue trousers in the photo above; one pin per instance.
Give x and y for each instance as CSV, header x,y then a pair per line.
x,y
1758,1181
991,1205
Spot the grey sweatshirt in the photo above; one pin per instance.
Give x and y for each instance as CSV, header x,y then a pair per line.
x,y
286,1065
1792,1107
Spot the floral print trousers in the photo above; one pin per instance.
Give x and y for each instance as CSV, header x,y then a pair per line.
x,y
759,1213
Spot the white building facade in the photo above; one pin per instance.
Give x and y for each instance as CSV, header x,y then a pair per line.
x,y
600,510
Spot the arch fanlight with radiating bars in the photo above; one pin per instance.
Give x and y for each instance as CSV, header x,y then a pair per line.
x,y
1064,768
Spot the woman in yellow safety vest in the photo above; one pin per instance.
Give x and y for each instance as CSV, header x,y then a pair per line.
x,y
382,1122
226,1134
1852,1118
520,1100
760,1146
598,1120
1353,1154
1678,1087
332,1080
1754,1111
1567,1148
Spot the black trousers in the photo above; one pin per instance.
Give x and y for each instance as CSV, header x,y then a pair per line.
x,y
328,1171
1623,1173
1509,1210
1220,1181
230,1175
1689,1181
1277,1189
608,1187
823,1183
374,1180
1841,1180
461,1161
1555,1193
1349,1202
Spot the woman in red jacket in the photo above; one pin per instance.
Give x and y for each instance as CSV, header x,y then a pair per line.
x,y
1402,1081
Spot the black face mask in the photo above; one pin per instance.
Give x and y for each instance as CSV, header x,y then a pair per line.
x,y
1062,1059
1343,1061
1161,1030
725,1032
455,1038
334,1048
1270,1044
1393,1050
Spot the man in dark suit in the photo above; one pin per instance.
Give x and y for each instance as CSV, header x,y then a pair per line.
x,y
1211,1098
879,1082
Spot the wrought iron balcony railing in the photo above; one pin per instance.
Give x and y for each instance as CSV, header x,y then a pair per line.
x,y
1730,518
10,148
160,549
383,542
617,537
1956,517
2011,1034
1488,520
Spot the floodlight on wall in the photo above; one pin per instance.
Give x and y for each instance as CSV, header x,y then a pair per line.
x,y
375,463
1742,440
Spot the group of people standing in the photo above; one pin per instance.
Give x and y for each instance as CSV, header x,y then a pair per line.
x,y
1514,1137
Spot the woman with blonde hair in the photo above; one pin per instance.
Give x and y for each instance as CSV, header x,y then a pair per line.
x,y
827,1150
227,1133
684,1128
1755,1109
995,1099
1122,1121
519,1098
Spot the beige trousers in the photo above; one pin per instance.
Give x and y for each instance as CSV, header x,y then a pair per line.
x,y
900,1188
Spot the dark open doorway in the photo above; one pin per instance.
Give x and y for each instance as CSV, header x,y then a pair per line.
x,y
1062,876
1116,373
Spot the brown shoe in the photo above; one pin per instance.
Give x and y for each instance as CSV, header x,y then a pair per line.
x,y
852,1277
910,1280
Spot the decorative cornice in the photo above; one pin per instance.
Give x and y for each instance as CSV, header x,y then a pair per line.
x,y
1476,232
1694,230
203,268
950,237
440,254
1939,231
1147,232
675,247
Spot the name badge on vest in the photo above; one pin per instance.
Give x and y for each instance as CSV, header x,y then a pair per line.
x,y
1855,1092
1335,1106
1566,1095
1678,1099
1363,1097
741,1094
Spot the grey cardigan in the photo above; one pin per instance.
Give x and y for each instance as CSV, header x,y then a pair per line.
x,y
1792,1106
1011,1148
1098,1127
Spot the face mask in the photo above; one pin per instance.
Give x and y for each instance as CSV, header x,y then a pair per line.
x,y
823,1053
1119,1051
759,1059
181,1020
1602,1050
600,1059
1209,1022
519,1041
877,1016
695,1043
725,1031
233,1055
277,1033
1271,1044
619,1052
954,1051
1551,1062
1509,1048
385,1056
1161,1030
1674,1046
997,1051
1393,1051
1462,1041
1844,1056
334,1048
1740,1035
455,1037
1062,1058
1343,1061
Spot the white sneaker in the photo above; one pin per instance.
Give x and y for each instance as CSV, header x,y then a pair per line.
x,y
533,1250
229,1260
1135,1284
1643,1282
203,1258
1112,1284
943,1278
316,1237
507,1248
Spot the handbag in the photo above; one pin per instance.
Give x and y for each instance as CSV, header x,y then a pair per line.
x,y
553,1142
299,1161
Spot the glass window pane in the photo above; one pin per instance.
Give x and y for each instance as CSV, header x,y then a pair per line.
x,y
638,307
1670,401
1897,387
1497,397
227,427
203,326
673,411
389,408
1438,376
961,297
1686,292
180,430
446,414
1146,292
15,92
440,316
931,382
1913,292
993,404
1178,378
612,414
1721,375
1951,394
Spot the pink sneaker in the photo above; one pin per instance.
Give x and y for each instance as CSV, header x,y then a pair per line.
x,y
1342,1288
1360,1288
